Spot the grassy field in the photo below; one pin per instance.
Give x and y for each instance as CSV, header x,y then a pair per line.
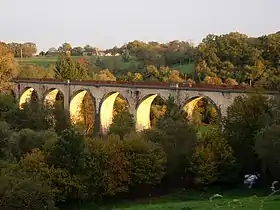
x,y
110,61
196,201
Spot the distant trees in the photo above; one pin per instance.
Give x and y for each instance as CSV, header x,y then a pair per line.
x,y
33,71
65,48
27,49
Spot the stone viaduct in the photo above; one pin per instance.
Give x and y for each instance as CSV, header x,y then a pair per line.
x,y
138,95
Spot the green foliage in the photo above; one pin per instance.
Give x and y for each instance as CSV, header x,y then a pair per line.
x,y
213,158
5,133
107,167
123,123
7,103
35,71
68,151
67,68
115,165
268,148
34,115
245,117
146,160
22,142
177,138
21,193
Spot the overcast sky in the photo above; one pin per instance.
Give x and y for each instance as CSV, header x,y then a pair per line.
x,y
106,23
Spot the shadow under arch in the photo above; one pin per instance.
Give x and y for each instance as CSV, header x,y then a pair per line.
x,y
27,96
52,96
106,110
191,103
143,112
78,116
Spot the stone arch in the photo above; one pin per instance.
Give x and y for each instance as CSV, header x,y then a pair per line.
x,y
28,95
192,102
106,110
143,111
76,106
52,95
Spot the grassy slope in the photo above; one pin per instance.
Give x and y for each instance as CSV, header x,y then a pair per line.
x,y
193,200
46,61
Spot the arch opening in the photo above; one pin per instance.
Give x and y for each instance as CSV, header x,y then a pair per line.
x,y
82,111
54,97
28,96
202,111
112,105
151,109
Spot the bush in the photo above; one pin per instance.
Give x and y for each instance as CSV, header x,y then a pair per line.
x,y
24,194
213,158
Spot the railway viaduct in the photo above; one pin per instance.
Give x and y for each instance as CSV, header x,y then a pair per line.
x,y
139,96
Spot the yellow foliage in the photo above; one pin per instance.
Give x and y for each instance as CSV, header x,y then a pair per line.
x,y
106,75
138,77
119,106
230,81
212,80
174,76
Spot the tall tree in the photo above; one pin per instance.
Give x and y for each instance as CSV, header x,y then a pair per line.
x,y
65,47
67,68
8,67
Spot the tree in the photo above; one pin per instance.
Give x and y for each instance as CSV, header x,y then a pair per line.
x,y
32,71
268,147
8,68
178,138
88,48
213,158
68,152
27,49
24,193
245,117
123,123
65,47
67,68
77,51
106,75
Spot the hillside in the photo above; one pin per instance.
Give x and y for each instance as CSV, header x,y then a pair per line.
x,y
110,62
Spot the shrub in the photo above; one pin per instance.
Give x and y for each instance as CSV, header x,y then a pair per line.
x,y
24,194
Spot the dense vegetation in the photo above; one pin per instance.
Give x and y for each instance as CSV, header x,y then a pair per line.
x,y
231,59
46,162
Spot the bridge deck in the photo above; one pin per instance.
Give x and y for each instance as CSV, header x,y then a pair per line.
x,y
145,84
